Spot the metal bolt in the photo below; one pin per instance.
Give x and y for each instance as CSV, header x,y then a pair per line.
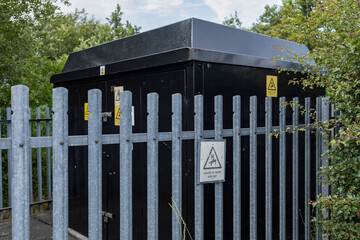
x,y
178,137
154,139
21,144
201,135
238,133
61,143
96,141
128,140
220,134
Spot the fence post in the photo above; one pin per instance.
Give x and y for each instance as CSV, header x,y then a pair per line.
x,y
219,199
176,166
20,162
9,135
318,156
295,170
48,157
60,164
325,116
282,168
125,165
198,188
253,168
31,196
1,176
307,168
39,171
152,166
95,165
268,168
236,168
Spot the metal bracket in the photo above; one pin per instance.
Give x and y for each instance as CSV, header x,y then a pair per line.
x,y
107,216
105,115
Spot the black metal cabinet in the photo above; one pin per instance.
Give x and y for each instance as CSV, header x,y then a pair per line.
x,y
179,58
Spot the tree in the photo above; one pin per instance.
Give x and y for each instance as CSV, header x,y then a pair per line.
x,y
22,27
36,38
233,21
112,30
119,29
270,18
331,30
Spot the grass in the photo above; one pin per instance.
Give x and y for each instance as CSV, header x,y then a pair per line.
x,y
180,219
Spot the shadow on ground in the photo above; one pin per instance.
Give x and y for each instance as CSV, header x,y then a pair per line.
x,y
40,227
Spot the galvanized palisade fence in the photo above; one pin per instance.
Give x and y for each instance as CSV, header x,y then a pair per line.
x,y
40,126
20,143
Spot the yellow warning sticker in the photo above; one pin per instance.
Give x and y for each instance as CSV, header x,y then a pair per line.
x,y
117,116
271,86
117,112
102,70
86,112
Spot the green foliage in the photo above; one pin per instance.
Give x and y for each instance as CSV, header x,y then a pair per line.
x,y
21,59
119,29
114,29
275,19
35,41
36,38
331,28
233,21
270,18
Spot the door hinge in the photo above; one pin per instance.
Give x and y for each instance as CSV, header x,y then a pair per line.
x,y
106,216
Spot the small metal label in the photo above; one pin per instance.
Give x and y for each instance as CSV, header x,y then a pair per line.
x,y
102,70
106,115
271,86
212,161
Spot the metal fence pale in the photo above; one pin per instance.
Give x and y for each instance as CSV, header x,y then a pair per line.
x,y
19,144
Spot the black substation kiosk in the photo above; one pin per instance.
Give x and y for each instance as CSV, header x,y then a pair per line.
x,y
189,57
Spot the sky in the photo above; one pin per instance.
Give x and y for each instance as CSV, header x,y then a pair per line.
x,y
150,14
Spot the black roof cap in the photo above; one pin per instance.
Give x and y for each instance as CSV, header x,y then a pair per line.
x,y
191,39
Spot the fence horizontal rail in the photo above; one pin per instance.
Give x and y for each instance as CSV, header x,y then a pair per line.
x,y
30,120
82,140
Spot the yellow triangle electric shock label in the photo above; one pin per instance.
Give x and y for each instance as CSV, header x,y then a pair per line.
x,y
117,115
86,112
271,86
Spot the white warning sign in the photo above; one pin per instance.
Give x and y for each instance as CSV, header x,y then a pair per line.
x,y
117,91
117,112
212,161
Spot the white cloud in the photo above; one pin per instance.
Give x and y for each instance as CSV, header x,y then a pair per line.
x,y
103,8
161,7
248,11
157,13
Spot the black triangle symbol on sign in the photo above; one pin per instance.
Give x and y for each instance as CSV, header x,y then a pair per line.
x,y
212,161
271,85
118,114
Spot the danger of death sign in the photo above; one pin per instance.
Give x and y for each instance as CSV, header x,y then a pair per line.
x,y
212,161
